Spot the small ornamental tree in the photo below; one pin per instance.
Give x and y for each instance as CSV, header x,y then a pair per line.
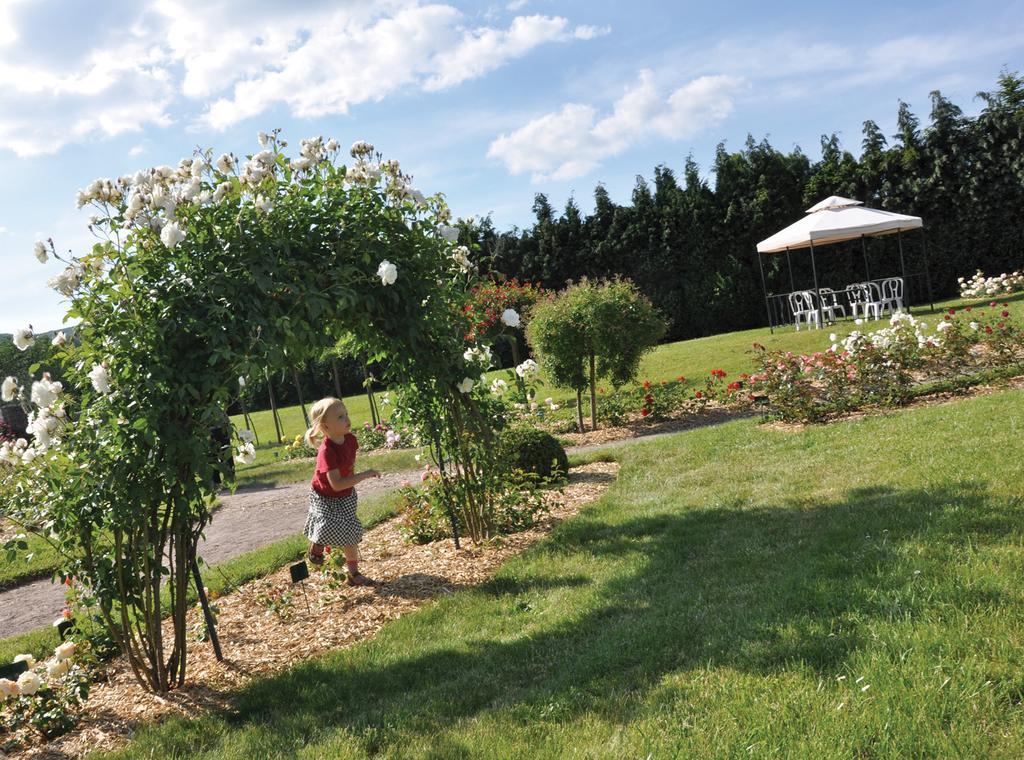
x,y
593,330
214,270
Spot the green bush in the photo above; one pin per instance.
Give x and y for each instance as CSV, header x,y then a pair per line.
x,y
532,451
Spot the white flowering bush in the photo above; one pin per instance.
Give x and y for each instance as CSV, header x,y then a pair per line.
x,y
211,270
46,695
882,367
980,286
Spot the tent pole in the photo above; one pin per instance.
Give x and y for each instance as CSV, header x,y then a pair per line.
x,y
789,264
764,289
927,275
864,250
903,268
817,291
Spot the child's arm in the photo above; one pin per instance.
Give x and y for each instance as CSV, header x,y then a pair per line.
x,y
339,483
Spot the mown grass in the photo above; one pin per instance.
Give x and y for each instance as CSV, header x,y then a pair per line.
x,y
842,591
693,359
222,577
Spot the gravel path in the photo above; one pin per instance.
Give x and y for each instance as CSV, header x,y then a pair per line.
x,y
246,520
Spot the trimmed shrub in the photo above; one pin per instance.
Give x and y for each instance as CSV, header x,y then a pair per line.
x,y
533,451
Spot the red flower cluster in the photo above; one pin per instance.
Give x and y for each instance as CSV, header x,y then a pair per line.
x,y
487,302
734,386
718,373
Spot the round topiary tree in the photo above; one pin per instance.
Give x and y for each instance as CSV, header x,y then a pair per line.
x,y
210,272
532,450
591,330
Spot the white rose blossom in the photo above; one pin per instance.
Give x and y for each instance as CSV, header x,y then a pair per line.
x,y
361,148
29,683
8,688
510,318
57,668
528,367
171,234
100,378
45,392
24,338
29,660
461,257
246,454
466,385
245,435
9,389
387,272
498,386
67,281
59,339
226,163
40,252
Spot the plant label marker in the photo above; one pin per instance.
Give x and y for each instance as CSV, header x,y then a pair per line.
x,y
63,627
300,572
13,670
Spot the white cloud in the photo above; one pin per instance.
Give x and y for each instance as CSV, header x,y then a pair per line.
x,y
234,60
516,5
343,64
573,141
587,32
137,150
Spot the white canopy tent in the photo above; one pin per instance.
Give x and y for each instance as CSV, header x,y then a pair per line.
x,y
834,220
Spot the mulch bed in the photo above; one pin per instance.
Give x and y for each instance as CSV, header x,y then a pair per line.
x,y
638,426
258,643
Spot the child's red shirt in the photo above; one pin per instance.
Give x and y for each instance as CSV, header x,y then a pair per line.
x,y
334,456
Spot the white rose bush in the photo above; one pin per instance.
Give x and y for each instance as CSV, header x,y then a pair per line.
x,y
217,268
45,696
888,366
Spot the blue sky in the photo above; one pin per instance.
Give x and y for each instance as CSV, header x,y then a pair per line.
x,y
488,103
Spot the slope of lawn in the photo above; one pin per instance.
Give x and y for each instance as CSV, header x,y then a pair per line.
x,y
843,591
693,359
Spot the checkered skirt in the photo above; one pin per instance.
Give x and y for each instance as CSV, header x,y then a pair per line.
x,y
332,521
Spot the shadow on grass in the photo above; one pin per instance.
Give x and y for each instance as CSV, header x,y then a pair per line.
x,y
755,589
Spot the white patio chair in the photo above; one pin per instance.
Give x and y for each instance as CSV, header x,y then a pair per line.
x,y
830,304
892,294
801,303
858,296
874,303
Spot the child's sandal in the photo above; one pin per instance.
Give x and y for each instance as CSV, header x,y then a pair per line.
x,y
358,579
316,559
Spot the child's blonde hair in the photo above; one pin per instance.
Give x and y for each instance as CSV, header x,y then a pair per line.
x,y
315,434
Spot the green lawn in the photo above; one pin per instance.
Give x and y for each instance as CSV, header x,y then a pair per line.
x,y
842,591
693,359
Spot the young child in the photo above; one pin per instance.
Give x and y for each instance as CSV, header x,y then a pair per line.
x,y
332,517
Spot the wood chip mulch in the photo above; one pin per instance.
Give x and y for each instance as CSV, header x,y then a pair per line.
x,y
258,643
637,426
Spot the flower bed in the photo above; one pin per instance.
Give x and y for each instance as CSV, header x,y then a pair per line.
x,y
981,286
887,366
